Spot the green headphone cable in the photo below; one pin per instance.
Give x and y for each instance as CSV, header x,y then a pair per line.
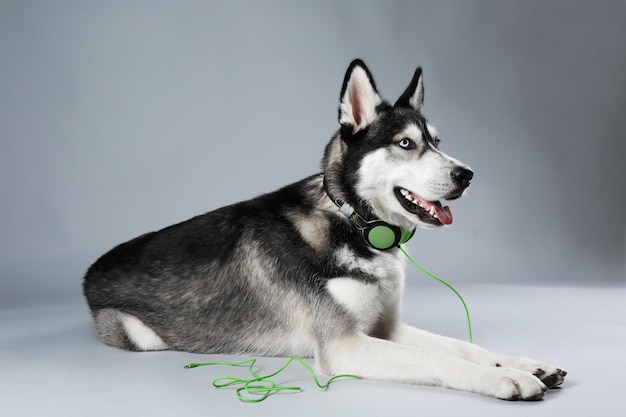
x,y
430,274
262,386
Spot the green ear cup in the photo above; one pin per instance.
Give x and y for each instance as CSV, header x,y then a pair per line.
x,y
382,237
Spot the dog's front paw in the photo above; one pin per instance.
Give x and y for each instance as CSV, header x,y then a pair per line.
x,y
519,385
549,374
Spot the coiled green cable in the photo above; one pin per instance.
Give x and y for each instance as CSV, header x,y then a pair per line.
x,y
258,388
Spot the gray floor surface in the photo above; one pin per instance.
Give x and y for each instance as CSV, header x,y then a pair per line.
x,y
52,365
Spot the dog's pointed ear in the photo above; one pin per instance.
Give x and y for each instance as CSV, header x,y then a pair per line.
x,y
413,96
359,97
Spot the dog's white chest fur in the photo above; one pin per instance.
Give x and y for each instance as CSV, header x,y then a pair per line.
x,y
369,299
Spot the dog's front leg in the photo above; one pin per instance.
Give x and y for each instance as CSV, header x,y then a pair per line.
x,y
549,374
384,360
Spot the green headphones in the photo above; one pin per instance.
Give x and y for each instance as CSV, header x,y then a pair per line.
x,y
379,234
376,233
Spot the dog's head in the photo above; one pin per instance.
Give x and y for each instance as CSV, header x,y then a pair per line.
x,y
390,157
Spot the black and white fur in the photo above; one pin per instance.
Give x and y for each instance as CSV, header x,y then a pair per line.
x,y
287,273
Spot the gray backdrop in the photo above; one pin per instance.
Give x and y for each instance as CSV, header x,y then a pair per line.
x,y
122,117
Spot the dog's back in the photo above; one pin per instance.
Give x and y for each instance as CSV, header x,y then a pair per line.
x,y
237,279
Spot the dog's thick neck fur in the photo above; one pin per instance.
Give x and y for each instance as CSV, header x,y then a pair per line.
x,y
336,183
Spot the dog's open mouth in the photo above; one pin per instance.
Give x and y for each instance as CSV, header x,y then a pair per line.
x,y
431,212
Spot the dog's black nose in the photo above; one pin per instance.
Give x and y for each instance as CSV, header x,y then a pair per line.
x,y
461,176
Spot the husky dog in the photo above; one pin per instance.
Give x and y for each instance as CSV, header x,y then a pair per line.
x,y
314,268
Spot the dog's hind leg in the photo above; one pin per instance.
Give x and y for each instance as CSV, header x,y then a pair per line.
x,y
125,331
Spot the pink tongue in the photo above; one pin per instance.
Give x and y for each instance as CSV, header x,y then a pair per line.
x,y
443,214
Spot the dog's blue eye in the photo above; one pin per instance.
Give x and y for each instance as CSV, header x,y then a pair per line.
x,y
406,144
